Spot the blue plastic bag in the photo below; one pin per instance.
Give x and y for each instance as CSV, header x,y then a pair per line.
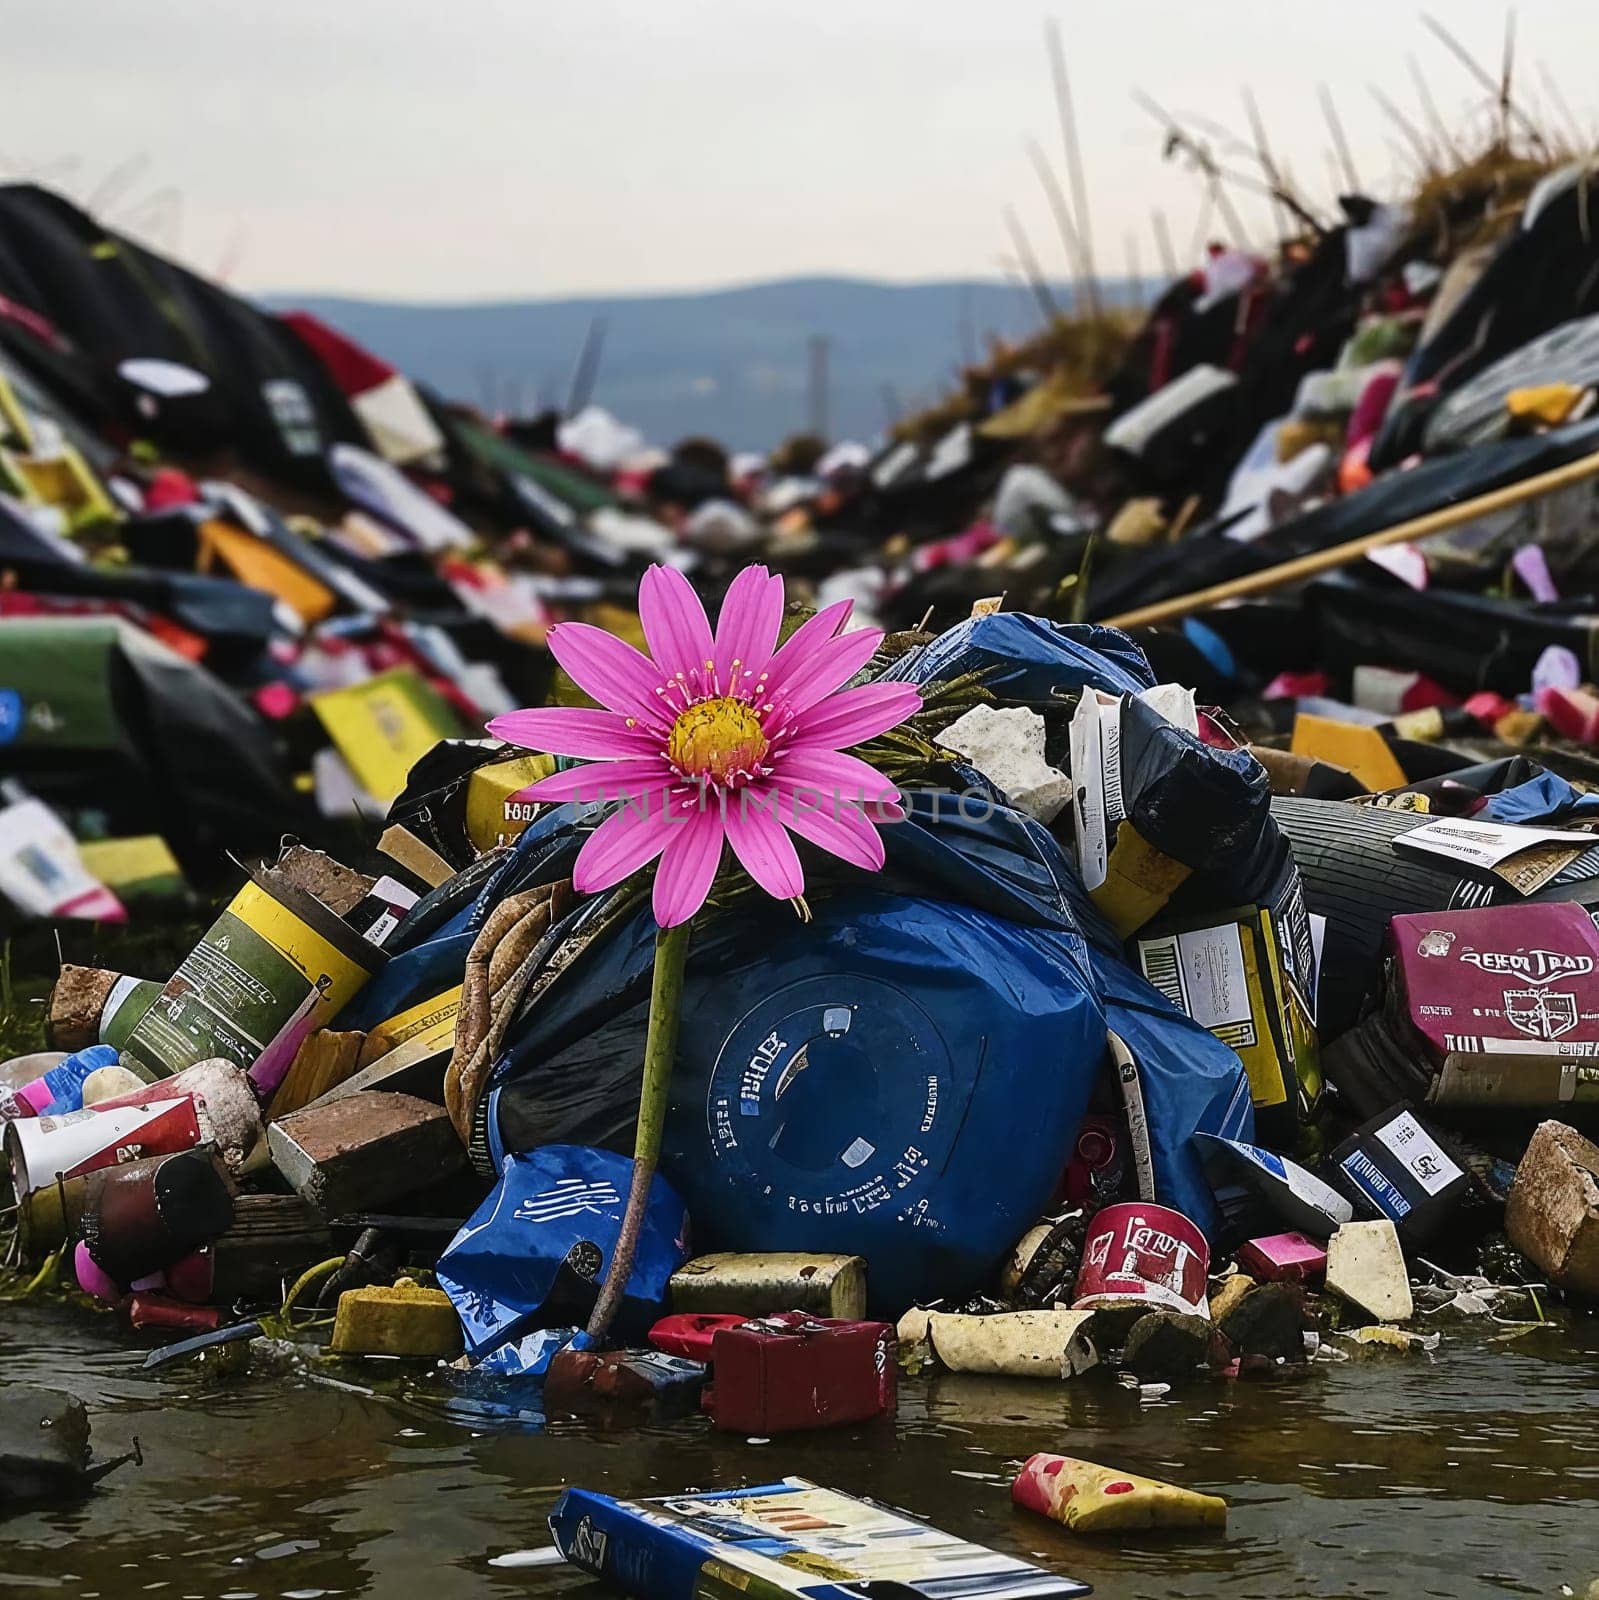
x,y
500,1268
1029,658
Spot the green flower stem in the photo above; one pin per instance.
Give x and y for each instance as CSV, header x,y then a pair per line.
x,y
660,1049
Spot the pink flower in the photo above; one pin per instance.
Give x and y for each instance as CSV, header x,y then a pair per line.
x,y
723,737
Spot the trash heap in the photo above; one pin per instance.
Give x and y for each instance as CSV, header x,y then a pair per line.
x,y
1223,1002
1269,1072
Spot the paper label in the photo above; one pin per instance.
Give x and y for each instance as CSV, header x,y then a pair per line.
x,y
1376,1185
1419,1153
258,972
1088,793
1110,747
1212,961
1202,973
1486,844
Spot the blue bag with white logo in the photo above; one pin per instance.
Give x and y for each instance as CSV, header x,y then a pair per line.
x,y
556,1207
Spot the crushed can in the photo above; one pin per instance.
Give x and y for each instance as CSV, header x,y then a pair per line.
x,y
1140,1251
144,1216
793,1371
623,1377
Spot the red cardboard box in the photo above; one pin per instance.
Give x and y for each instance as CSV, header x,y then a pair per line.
x,y
1506,999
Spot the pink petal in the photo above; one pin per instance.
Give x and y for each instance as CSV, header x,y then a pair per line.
x,y
761,844
835,780
854,715
610,670
616,849
747,629
572,731
843,831
631,777
674,624
807,638
688,868
829,667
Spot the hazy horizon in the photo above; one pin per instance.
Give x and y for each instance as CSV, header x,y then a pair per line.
x,y
995,281
490,151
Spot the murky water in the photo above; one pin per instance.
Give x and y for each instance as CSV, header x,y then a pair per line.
x,y
1473,1473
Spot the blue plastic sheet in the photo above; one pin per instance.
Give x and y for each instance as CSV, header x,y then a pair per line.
x,y
845,1085
530,1355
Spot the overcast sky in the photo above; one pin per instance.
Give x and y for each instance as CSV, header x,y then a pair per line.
x,y
468,149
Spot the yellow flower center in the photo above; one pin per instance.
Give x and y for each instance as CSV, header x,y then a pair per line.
x,y
718,739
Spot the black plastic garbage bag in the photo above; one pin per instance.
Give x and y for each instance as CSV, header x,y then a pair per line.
x,y
109,718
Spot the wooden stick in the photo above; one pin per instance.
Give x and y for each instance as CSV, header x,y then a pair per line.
x,y
1168,257
1429,109
1082,220
1346,162
1340,555
1062,213
1498,87
1048,308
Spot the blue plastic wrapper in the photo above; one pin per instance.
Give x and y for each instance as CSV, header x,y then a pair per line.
x,y
1546,799
530,1355
500,1268
66,1078
1292,1194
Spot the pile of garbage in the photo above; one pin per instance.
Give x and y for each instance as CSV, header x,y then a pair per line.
x,y
1336,1047
1223,1004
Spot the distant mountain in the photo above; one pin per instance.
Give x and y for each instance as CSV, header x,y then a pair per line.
x,y
731,363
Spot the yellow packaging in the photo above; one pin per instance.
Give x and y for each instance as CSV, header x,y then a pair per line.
x,y
65,481
1359,750
140,865
1088,1498
493,818
1139,880
433,1020
384,726
259,565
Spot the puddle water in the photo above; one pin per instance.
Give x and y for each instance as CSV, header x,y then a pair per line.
x,y
1473,1473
